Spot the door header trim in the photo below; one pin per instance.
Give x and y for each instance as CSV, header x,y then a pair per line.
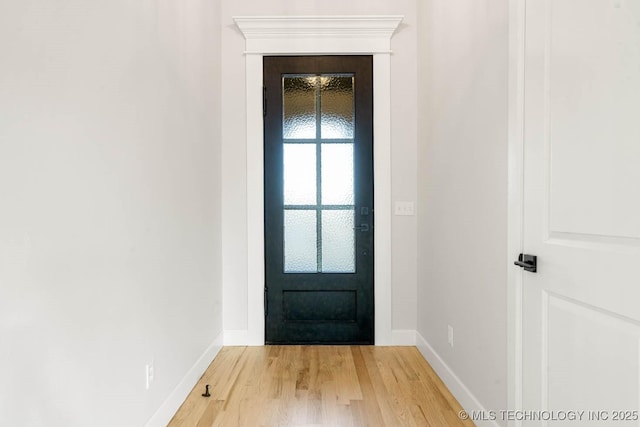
x,y
318,34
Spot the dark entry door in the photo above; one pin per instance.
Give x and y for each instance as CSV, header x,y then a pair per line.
x,y
318,199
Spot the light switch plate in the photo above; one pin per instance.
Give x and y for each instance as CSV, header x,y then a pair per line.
x,y
404,208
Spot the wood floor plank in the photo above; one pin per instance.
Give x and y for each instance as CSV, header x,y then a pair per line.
x,y
194,408
320,386
372,357
368,408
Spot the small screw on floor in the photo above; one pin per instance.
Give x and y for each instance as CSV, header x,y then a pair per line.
x,y
206,391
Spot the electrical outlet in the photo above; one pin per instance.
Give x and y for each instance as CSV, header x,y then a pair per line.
x,y
150,374
450,335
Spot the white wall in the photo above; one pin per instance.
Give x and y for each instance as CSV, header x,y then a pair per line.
x,y
463,191
404,148
110,193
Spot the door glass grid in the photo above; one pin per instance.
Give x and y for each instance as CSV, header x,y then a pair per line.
x,y
318,173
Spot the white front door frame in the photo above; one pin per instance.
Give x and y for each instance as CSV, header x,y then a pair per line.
x,y
319,35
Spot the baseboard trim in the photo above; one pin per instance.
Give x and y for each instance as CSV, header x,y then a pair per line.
x,y
455,385
236,337
403,337
172,403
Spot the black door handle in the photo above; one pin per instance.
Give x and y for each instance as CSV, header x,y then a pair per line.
x,y
528,262
363,227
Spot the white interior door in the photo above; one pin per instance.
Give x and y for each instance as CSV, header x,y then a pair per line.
x,y
581,324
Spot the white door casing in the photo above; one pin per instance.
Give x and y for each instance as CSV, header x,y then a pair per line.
x,y
581,310
318,35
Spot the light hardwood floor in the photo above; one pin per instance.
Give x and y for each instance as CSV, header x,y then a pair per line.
x,y
320,386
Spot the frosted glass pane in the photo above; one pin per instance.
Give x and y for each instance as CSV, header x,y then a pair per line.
x,y
338,242
299,106
300,242
337,174
336,98
299,174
